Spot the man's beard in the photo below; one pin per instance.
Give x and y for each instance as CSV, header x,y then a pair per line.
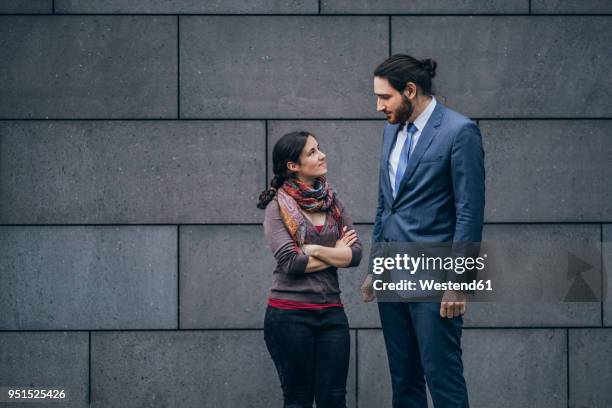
x,y
405,110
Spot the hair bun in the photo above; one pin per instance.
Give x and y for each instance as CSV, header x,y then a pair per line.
x,y
429,65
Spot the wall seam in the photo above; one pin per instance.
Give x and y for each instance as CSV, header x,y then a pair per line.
x,y
356,368
601,275
178,277
266,155
321,15
89,370
390,34
213,329
178,67
287,119
222,224
567,366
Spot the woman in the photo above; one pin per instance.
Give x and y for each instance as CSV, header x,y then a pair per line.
x,y
311,235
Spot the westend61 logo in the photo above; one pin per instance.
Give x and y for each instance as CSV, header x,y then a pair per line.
x,y
412,264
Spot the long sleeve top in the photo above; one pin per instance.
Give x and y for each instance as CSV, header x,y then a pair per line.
x,y
290,279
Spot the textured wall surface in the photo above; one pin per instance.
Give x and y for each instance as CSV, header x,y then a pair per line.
x,y
136,136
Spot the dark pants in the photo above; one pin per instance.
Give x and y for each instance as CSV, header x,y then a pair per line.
x,y
310,349
422,345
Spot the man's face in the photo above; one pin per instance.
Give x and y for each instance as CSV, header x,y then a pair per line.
x,y
395,105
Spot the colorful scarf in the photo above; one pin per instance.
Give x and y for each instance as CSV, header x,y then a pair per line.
x,y
295,194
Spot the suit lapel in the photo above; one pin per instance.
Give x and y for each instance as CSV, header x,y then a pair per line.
x,y
391,135
427,135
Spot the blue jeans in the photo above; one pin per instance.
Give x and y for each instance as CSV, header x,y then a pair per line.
x,y
310,349
422,345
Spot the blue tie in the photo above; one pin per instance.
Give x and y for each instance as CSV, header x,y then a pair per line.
x,y
403,160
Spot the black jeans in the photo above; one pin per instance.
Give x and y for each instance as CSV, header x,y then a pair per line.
x,y
310,349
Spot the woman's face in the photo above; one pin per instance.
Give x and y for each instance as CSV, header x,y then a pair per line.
x,y
312,162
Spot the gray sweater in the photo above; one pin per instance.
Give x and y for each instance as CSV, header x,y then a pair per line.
x,y
291,281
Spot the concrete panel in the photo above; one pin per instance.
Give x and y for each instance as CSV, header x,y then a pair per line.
x,y
88,67
280,67
55,361
607,274
187,6
502,368
187,369
87,278
131,172
423,6
559,178
516,368
571,6
353,154
374,380
26,7
219,261
490,67
527,265
590,362
226,274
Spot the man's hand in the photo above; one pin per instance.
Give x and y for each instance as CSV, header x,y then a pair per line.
x,y
367,290
453,304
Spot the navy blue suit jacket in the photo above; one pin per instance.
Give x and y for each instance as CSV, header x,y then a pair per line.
x,y
441,197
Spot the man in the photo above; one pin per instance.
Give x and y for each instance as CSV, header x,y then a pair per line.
x,y
431,189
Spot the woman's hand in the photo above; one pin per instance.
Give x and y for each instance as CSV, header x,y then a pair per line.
x,y
310,249
348,239
340,255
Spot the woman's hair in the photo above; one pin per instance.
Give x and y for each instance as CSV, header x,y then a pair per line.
x,y
399,69
287,149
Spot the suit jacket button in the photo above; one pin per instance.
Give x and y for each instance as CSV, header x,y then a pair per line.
x,y
393,211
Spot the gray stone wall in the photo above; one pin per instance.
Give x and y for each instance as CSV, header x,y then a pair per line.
x,y
135,137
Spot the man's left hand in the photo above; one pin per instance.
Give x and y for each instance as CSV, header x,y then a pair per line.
x,y
453,304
